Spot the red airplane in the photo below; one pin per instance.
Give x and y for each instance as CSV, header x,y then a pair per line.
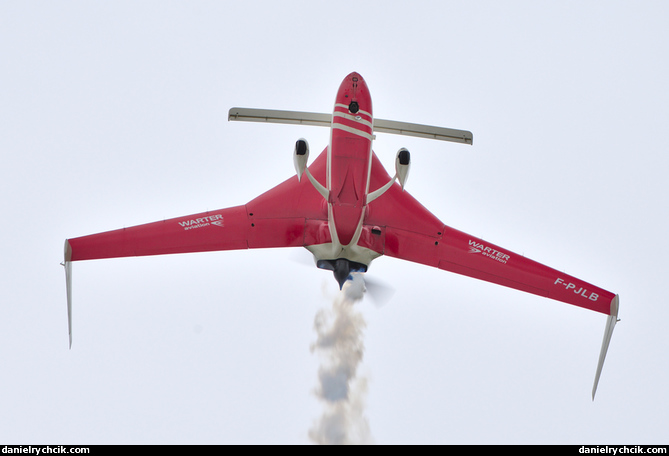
x,y
347,212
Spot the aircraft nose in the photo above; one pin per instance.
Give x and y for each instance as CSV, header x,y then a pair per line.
x,y
354,94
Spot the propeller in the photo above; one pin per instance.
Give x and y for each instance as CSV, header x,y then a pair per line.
x,y
380,292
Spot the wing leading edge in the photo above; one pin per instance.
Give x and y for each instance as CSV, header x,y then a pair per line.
x,y
412,233
289,215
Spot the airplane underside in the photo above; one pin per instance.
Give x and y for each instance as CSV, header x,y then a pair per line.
x,y
347,212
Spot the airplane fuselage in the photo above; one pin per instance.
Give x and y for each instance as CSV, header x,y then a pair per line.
x,y
349,159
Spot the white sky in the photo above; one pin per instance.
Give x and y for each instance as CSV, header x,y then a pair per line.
x,y
114,114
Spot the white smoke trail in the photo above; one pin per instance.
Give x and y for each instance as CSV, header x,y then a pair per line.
x,y
340,345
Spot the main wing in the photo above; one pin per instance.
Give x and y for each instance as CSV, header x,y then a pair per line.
x,y
277,218
412,233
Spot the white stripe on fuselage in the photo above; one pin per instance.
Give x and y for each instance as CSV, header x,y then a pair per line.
x,y
355,131
352,118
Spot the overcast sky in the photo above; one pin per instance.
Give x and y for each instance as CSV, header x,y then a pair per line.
x,y
114,114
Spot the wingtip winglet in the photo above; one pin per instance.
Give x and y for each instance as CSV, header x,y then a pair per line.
x,y
67,264
608,332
